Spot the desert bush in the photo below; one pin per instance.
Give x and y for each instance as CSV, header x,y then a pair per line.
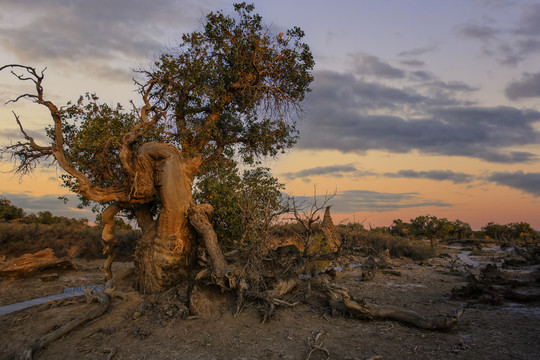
x,y
9,212
65,239
520,232
127,241
373,242
244,205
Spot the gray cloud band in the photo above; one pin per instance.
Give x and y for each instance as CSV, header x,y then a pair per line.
x,y
343,116
363,200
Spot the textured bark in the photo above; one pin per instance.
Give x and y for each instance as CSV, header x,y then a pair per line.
x,y
104,300
199,216
340,299
164,254
329,230
109,239
29,264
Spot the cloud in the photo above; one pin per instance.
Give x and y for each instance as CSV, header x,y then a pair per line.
x,y
364,200
421,75
34,204
529,24
332,171
76,33
371,65
509,46
412,63
419,51
350,115
336,171
440,175
480,32
333,88
527,87
527,182
497,3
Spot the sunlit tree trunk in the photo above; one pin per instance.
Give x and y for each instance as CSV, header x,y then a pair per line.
x,y
165,251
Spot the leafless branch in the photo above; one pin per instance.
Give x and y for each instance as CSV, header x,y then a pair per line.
x,y
308,215
29,153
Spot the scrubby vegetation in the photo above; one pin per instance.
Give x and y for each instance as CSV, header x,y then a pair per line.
x,y
377,241
21,233
248,209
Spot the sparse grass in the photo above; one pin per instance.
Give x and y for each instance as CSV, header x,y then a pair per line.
x,y
65,239
376,242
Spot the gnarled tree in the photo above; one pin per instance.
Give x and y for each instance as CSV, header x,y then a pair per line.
x,y
227,93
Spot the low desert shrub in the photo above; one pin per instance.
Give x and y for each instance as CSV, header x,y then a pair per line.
x,y
65,239
377,241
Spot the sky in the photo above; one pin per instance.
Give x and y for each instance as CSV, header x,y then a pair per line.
x,y
418,106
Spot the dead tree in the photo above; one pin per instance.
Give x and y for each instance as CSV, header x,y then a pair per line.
x,y
308,217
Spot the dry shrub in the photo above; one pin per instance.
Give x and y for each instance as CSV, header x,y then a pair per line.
x,y
65,239
374,242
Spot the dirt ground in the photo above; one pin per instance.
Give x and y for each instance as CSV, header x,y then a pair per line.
x,y
308,331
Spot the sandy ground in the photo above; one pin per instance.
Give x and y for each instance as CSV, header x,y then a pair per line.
x,y
309,331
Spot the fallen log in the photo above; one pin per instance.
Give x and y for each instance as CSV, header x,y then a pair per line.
x,y
29,264
104,300
340,299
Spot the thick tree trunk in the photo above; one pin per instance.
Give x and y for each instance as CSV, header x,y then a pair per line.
x,y
164,253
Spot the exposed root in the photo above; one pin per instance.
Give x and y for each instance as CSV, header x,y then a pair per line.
x,y
109,239
493,287
104,300
317,345
199,217
340,299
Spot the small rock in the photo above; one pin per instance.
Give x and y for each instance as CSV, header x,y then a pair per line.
x,y
136,315
49,277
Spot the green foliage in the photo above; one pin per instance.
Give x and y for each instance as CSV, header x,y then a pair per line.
x,y
92,137
374,242
244,205
461,230
9,212
400,228
237,71
518,231
66,237
47,218
229,91
431,227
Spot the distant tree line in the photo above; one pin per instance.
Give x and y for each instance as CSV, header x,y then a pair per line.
x,y
435,229
13,214
243,204
511,232
21,233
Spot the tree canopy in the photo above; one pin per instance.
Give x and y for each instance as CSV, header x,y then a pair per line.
x,y
227,93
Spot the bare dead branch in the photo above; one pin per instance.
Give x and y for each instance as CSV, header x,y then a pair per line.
x,y
308,215
29,153
104,300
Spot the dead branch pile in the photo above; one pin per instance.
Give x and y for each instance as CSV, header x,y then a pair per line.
x,y
492,286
